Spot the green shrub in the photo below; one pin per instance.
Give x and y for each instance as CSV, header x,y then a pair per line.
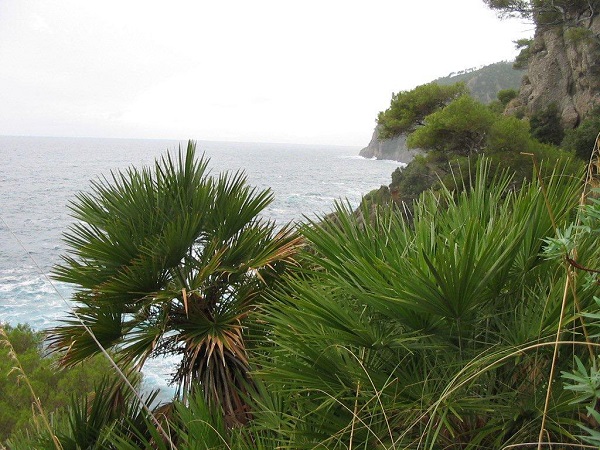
x,y
459,128
408,108
509,134
522,59
435,330
418,176
582,139
53,386
546,126
456,135
506,95
577,35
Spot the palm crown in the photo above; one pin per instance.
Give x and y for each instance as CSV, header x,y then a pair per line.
x,y
172,262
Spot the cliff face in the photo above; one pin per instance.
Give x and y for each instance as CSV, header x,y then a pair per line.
x,y
394,148
564,69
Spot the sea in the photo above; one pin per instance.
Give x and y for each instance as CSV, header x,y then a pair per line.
x,y
39,176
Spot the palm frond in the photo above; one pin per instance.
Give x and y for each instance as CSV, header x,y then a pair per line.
x,y
172,261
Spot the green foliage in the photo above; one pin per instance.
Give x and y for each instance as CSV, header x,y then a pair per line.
x,y
53,386
192,425
581,140
434,332
581,236
484,84
522,59
587,386
381,196
430,330
577,35
547,12
509,134
510,7
433,329
89,421
430,171
506,95
415,178
546,127
172,261
408,108
436,169
522,43
460,128
465,128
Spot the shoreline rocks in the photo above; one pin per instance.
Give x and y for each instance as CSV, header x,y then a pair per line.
x,y
394,149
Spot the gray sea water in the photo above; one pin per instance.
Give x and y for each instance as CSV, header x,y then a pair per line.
x,y
39,176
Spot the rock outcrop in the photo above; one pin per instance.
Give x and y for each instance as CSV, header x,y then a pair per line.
x,y
393,149
564,70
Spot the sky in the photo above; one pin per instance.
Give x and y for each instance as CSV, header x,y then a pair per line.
x,y
306,72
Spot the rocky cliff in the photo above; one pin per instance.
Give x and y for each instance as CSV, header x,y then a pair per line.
x,y
564,70
394,148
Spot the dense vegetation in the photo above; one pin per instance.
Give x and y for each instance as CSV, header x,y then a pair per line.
x,y
571,13
433,332
454,133
53,387
470,324
458,308
581,140
484,83
408,109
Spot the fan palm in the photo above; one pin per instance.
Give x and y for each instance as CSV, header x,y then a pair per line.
x,y
172,261
413,334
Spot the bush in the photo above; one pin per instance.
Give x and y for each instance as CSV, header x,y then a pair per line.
x,y
546,126
522,59
54,387
581,140
509,134
577,35
460,128
408,108
506,95
418,176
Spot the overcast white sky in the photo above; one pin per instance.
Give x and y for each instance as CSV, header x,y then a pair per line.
x,y
310,71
